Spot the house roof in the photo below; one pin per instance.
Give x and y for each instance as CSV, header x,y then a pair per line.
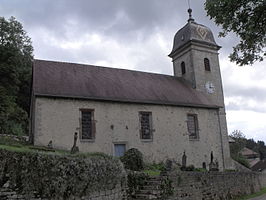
x,y
231,140
254,161
248,152
60,79
259,166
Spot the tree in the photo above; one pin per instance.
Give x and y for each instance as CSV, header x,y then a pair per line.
x,y
16,57
247,18
261,149
239,144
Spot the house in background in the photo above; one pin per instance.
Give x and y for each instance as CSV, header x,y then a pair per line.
x,y
116,109
260,166
251,156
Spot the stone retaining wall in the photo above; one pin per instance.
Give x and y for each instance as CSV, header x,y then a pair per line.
x,y
8,193
214,185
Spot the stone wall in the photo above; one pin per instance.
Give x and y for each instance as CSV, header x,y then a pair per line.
x,y
215,185
118,123
196,185
8,193
31,175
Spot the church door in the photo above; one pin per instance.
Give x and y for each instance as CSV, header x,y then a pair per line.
x,y
120,149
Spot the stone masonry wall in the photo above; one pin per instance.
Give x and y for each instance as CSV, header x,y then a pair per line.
x,y
118,123
214,185
196,185
9,193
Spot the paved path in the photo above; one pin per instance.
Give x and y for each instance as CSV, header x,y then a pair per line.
x,y
263,197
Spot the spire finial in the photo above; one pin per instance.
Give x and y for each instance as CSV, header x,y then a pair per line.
x,y
190,19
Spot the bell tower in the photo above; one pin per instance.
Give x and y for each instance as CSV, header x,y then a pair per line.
x,y
195,60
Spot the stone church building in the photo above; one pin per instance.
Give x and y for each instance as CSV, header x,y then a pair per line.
x,y
113,110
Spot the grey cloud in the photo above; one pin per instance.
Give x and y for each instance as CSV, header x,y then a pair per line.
x,y
242,105
101,15
248,93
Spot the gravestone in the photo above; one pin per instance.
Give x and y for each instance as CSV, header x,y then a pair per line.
x,y
184,161
75,149
213,166
50,144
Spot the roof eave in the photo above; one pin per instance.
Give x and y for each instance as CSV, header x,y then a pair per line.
x,y
190,42
153,102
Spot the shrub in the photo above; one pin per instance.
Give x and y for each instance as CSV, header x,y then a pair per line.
x,y
133,160
242,161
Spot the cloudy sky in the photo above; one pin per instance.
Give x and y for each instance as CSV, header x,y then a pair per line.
x,y
138,34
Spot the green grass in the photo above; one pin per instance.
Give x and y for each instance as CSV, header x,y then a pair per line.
x,y
152,172
246,197
153,169
15,148
10,144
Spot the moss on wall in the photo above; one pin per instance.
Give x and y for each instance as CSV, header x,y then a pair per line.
x,y
59,176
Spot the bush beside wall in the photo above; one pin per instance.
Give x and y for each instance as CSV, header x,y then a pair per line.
x,y
62,176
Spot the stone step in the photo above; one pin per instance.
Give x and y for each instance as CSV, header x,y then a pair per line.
x,y
146,196
153,182
156,192
151,187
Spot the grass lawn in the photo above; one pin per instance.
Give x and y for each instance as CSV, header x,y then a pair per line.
x,y
152,172
30,148
20,146
246,197
12,144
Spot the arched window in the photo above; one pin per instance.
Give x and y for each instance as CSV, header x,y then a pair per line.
x,y
183,68
207,64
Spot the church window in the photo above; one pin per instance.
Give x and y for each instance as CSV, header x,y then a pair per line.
x,y
145,125
183,68
192,125
87,124
207,64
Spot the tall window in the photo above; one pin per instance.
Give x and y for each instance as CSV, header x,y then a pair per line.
x,y
145,125
183,67
192,126
207,64
87,124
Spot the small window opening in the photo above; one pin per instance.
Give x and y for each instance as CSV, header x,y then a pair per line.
x,y
145,125
183,68
87,124
207,64
192,125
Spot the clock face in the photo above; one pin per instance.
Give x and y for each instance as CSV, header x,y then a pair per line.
x,y
209,87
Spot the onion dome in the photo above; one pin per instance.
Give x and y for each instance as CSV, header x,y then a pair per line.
x,y
192,32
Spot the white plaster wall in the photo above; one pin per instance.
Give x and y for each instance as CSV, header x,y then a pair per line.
x,y
58,119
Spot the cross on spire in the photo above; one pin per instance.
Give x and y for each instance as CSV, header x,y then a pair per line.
x,y
190,19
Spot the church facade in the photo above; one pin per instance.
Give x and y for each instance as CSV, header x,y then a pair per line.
x,y
113,110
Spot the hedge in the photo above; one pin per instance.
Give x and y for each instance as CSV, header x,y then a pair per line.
x,y
59,176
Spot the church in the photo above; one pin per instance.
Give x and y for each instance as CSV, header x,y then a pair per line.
x,y
113,110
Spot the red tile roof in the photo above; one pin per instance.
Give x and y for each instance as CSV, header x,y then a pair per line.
x,y
59,79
